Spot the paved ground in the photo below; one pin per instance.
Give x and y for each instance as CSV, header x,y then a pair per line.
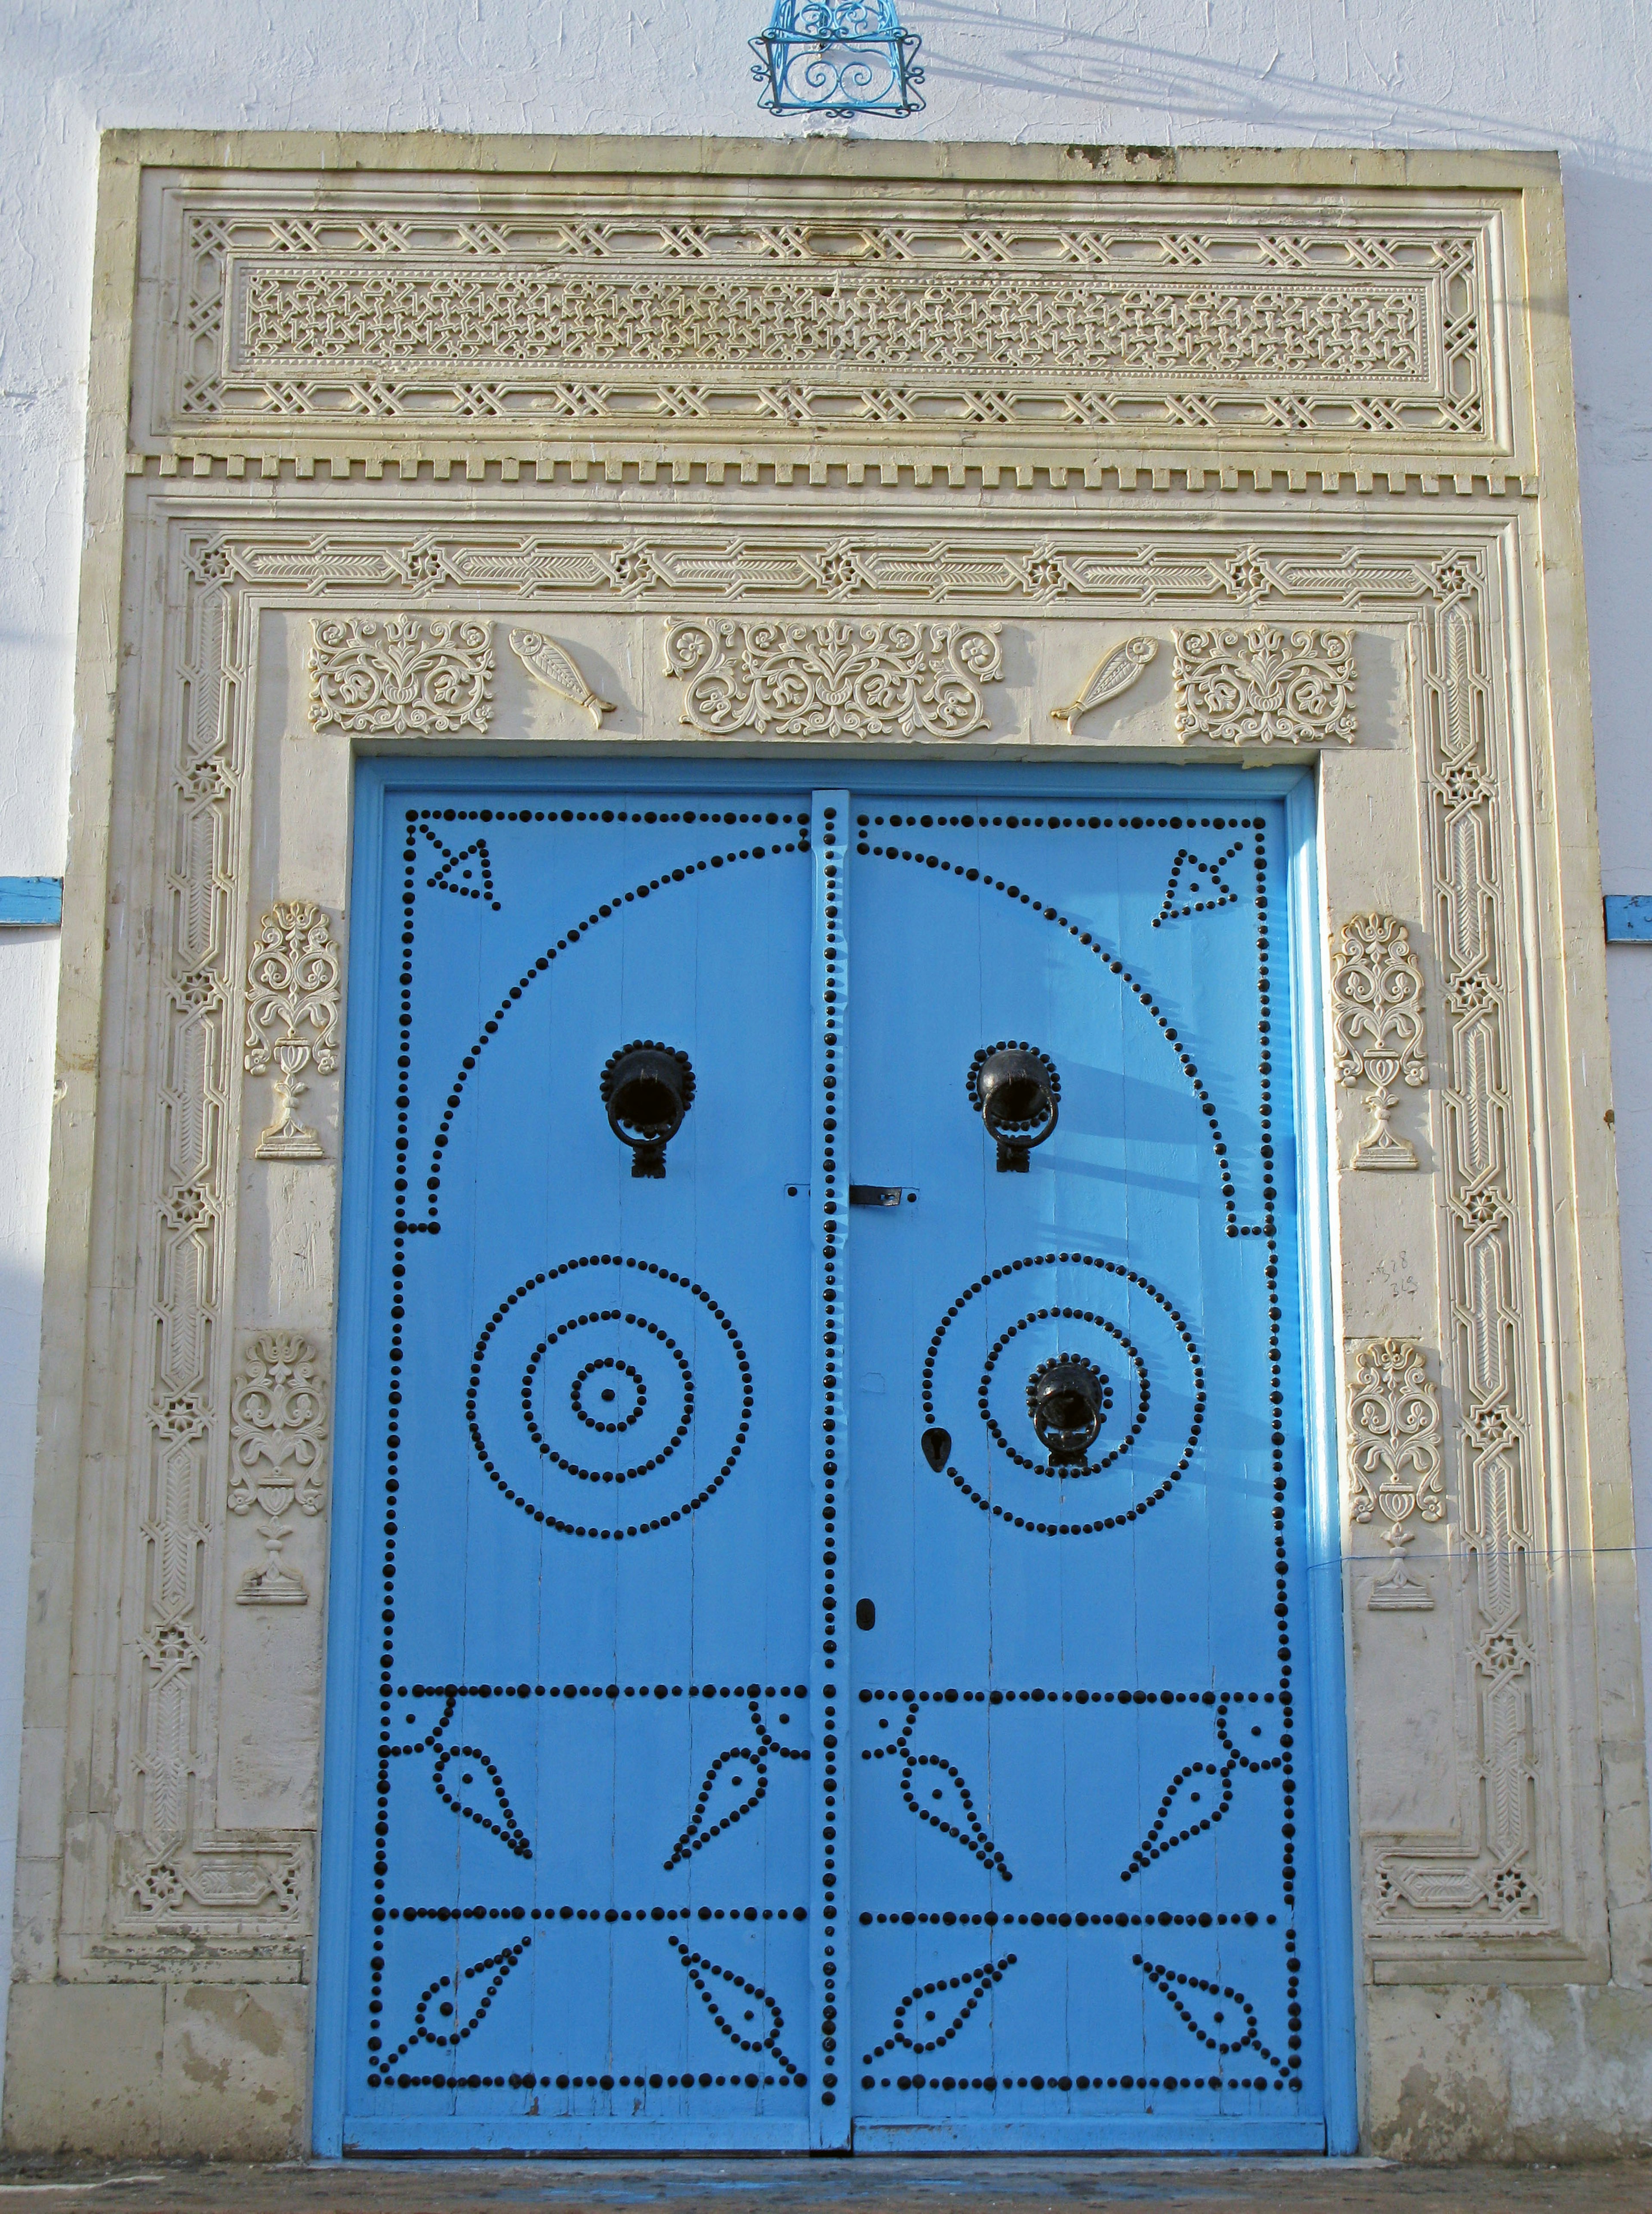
x,y
803,2187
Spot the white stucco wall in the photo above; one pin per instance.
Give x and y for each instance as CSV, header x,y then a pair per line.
x,y
1571,74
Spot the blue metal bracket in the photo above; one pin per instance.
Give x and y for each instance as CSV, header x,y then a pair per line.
x,y
1629,918
839,57
30,902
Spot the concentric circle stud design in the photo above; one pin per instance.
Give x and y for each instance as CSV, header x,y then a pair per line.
x,y
1067,1398
1017,1091
647,1089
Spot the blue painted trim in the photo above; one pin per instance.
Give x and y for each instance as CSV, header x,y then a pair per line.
x,y
378,779
591,771
30,902
344,1586
1331,1749
1164,2133
501,2134
1629,918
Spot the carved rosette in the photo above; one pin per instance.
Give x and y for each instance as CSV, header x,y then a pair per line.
x,y
835,679
1376,1011
278,1433
292,1018
1394,1457
420,675
1265,687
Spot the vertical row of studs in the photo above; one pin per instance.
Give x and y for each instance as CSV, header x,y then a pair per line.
x,y
375,2001
1276,1401
828,2111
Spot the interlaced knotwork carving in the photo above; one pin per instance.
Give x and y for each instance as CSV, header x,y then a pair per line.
x,y
1358,325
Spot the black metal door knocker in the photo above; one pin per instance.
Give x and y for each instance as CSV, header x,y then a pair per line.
x,y
1017,1091
647,1089
1067,1398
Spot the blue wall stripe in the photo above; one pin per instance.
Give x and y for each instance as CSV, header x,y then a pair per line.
x,y
30,902
1629,918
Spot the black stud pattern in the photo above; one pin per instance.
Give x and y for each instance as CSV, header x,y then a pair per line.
x,y
609,1393
704,1973
685,1375
1124,1515
501,1822
1105,954
1195,887
703,1826
465,875
449,2031
449,869
617,1531
1084,1466
831,1185
941,1785
1198,887
975,1983
661,885
479,1795
1189,1787
1218,2035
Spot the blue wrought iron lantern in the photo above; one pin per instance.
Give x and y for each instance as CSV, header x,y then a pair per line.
x,y
839,57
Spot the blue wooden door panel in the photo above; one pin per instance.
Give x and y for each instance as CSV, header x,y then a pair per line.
x,y
758,1741
583,1874
1076,1898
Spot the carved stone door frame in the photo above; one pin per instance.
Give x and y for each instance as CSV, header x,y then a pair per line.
x,y
429,444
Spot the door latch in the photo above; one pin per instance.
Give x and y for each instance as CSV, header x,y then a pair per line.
x,y
879,1195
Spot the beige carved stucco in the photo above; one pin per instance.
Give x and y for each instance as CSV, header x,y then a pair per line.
x,y
324,490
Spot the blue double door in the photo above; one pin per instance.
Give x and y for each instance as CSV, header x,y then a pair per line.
x,y
821,1659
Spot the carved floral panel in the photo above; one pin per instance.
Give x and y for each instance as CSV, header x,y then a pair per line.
x,y
1264,686
414,675
835,679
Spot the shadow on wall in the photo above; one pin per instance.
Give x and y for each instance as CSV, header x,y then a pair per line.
x,y
1060,62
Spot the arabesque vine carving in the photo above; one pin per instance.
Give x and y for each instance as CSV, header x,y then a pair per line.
x,y
277,1435
1265,687
835,679
292,1018
1394,1457
1376,1010
412,675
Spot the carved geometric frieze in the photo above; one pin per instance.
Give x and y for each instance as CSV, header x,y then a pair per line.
x,y
1114,674
835,679
278,1433
1376,1009
556,668
401,674
292,1018
772,310
1394,1457
1265,687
